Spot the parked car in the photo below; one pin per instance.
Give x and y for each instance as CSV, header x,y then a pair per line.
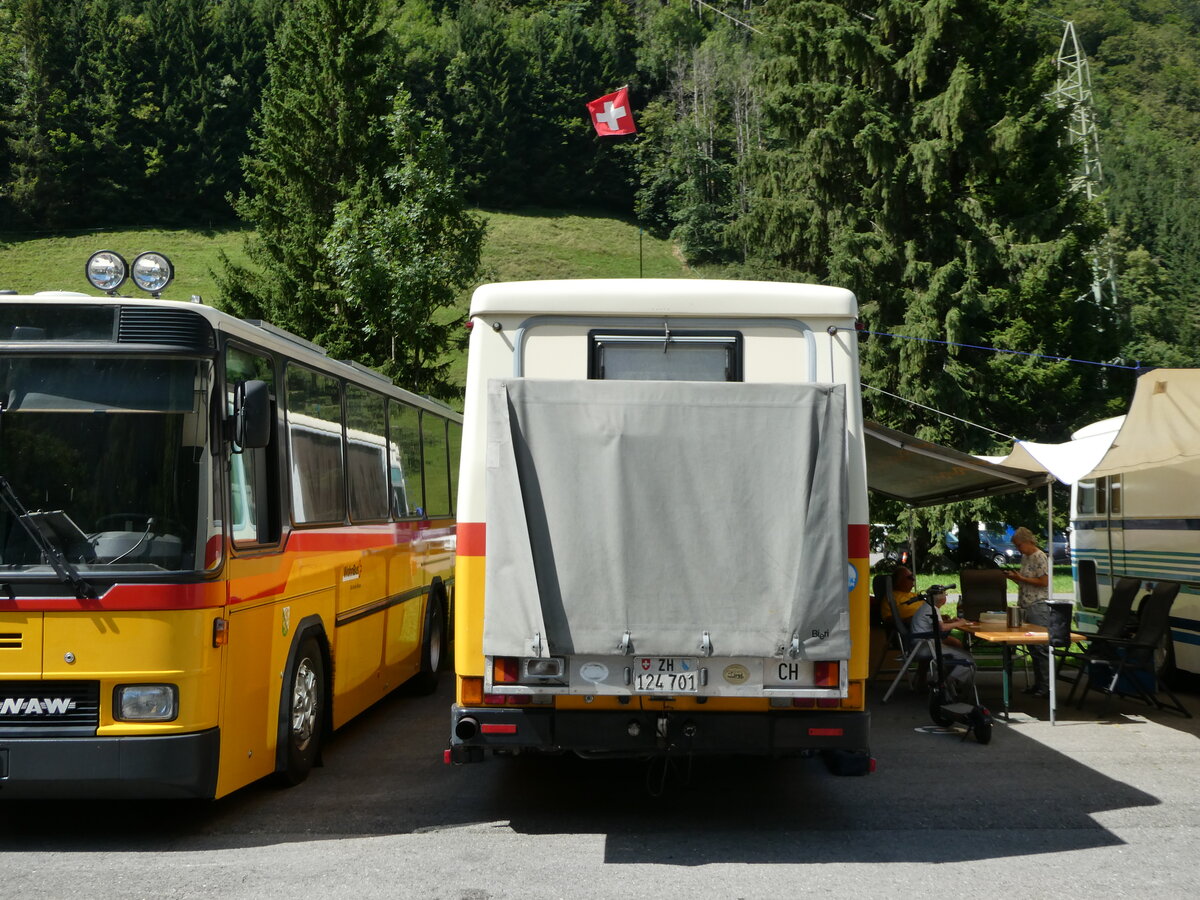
x,y
995,546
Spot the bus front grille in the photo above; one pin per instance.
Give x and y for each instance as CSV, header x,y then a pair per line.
x,y
49,705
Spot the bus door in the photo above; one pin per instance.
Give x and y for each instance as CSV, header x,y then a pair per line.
x,y
254,583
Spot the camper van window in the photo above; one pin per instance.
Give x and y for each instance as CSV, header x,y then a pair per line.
x,y
1114,495
1085,502
665,355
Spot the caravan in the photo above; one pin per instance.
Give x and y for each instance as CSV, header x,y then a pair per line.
x,y
1137,511
662,543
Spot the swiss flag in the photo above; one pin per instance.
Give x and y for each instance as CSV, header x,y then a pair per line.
x,y
611,114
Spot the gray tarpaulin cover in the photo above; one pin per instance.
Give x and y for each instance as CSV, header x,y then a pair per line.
x,y
665,510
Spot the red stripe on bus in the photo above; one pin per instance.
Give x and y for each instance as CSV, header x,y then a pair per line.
x,y
858,541
128,597
472,539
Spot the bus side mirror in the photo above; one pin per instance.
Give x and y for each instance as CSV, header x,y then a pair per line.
x,y
252,414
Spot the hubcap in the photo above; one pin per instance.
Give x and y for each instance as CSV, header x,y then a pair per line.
x,y
304,704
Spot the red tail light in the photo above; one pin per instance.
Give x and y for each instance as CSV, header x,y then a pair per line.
x,y
506,670
825,674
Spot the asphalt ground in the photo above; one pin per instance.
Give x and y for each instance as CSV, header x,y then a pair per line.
x,y
1105,803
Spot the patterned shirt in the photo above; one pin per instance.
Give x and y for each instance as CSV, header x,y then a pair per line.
x,y
1033,565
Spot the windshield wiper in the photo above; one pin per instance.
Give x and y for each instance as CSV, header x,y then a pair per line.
x,y
66,572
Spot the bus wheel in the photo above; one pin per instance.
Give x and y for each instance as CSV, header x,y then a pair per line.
x,y
847,762
305,698
433,647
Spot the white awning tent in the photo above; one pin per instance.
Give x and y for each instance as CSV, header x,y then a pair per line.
x,y
921,473
1162,428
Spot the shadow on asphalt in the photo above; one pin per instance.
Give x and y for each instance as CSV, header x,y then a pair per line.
x,y
933,798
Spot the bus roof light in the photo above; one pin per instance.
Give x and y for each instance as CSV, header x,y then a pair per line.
x,y
152,272
106,271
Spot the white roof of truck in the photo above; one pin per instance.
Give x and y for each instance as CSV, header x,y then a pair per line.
x,y
663,297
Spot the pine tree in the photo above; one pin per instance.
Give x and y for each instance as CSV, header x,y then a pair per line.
x,y
49,141
917,160
403,249
321,123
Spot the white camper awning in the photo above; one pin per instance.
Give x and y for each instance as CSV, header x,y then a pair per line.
x,y
1162,428
921,473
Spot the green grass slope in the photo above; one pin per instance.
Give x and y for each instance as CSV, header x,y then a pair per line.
x,y
527,245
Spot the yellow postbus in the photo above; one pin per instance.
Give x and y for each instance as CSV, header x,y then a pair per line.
x,y
217,545
663,532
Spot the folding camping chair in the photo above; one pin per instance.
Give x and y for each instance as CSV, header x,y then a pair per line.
x,y
1119,621
1132,666
915,647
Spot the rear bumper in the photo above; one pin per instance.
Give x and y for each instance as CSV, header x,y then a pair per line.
x,y
170,766
648,733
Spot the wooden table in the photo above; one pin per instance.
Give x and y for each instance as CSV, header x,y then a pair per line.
x,y
1006,637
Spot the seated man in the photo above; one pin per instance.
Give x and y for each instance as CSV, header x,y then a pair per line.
x,y
903,585
958,660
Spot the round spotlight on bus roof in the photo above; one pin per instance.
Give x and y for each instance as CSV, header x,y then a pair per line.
x,y
106,270
152,272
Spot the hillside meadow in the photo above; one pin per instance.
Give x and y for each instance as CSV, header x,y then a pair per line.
x,y
527,245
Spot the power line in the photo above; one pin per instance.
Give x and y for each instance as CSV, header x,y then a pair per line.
x,y
1070,359
939,412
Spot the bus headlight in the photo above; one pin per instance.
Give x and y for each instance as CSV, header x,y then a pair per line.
x,y
152,272
146,702
106,270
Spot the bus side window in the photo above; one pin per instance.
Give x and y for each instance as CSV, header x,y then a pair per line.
x,y
1114,495
314,417
366,454
454,436
437,465
404,452
253,472
1101,496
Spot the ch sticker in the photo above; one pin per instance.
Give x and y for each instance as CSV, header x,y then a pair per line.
x,y
287,620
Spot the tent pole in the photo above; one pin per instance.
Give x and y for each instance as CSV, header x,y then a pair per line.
x,y
1050,588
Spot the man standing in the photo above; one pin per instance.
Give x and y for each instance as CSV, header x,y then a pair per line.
x,y
1033,590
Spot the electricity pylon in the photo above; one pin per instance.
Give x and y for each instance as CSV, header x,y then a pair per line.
x,y
1074,89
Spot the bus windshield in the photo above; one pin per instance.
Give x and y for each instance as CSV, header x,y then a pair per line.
x,y
109,457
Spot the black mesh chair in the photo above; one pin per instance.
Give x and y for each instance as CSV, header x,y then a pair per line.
x,y
981,590
881,590
1119,622
1134,666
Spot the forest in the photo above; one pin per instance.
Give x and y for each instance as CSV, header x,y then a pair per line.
x,y
911,150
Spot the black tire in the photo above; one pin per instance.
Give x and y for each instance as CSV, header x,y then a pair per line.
x,y
434,646
304,697
847,762
982,728
936,712
999,560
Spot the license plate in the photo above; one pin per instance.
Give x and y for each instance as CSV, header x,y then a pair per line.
x,y
666,674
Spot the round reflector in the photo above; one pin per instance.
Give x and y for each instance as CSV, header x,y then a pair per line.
x,y
152,272
106,270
